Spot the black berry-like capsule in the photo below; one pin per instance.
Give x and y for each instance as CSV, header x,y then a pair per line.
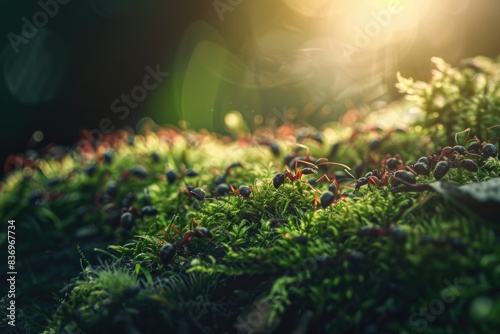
x,y
441,169
489,150
469,165
399,235
221,190
460,149
198,194
421,168
91,169
203,232
244,191
275,149
392,163
127,220
149,211
191,173
402,176
278,180
167,253
356,256
327,199
108,157
139,172
171,176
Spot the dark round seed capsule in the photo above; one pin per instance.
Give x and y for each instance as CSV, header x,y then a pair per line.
x,y
326,199
53,182
129,199
149,211
403,176
108,157
167,253
91,169
278,180
423,160
155,157
139,172
375,144
198,194
489,150
275,149
127,220
191,173
460,149
469,165
35,197
356,256
202,232
308,171
399,235
131,291
393,163
244,191
221,190
220,179
421,169
171,176
112,188
441,169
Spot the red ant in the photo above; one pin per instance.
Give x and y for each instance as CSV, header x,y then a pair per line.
x,y
242,191
280,178
332,195
168,250
194,192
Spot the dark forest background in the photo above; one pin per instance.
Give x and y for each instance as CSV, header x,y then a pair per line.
x,y
102,49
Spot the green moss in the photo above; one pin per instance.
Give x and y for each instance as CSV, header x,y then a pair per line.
x,y
277,259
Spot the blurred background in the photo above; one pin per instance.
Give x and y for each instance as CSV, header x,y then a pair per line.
x,y
70,65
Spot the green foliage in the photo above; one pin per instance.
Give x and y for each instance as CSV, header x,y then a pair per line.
x,y
456,99
275,261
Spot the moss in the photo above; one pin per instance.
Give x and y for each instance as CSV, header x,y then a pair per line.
x,y
275,260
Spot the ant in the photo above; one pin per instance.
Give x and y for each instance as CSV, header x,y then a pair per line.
x,y
395,179
167,252
222,178
280,178
242,191
482,147
331,196
173,176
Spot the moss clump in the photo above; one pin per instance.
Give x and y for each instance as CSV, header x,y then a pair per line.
x,y
376,260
